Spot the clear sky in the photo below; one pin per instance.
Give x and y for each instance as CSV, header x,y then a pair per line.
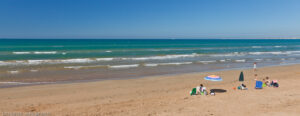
x,y
150,19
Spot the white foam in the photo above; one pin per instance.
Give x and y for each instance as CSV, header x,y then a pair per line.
x,y
123,66
256,53
222,60
293,52
108,51
13,72
64,53
162,57
46,52
242,60
256,47
78,60
82,60
228,54
34,70
2,63
175,49
73,67
207,62
23,83
259,59
21,52
57,61
104,59
36,62
171,63
79,67
175,63
278,53
151,65
13,83
279,46
274,53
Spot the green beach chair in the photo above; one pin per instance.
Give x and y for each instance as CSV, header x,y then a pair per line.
x,y
193,92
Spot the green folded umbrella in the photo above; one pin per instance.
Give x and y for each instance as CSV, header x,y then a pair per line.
x,y
241,76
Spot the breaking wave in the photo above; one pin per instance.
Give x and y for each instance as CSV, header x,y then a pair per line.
x,y
162,64
123,66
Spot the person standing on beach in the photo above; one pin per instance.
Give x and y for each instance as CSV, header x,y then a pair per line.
x,y
254,66
254,70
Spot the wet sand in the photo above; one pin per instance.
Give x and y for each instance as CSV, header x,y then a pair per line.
x,y
161,95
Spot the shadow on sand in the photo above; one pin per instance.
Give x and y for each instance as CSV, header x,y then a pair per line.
x,y
218,90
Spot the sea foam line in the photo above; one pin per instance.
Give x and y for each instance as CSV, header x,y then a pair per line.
x,y
162,57
275,52
162,64
207,62
37,52
241,60
21,52
25,83
123,66
79,67
47,52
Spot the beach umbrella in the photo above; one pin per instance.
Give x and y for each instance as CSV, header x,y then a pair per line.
x,y
241,77
213,78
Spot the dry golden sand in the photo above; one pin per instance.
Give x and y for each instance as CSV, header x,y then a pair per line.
x,y
161,95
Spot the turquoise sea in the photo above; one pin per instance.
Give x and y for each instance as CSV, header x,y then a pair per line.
x,y
51,49
157,56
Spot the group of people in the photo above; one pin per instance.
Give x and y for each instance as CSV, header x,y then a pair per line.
x,y
260,84
268,83
201,90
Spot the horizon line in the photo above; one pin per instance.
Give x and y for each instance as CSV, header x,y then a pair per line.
x,y
152,38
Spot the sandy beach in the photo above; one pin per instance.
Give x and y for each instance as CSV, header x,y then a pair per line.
x,y
161,95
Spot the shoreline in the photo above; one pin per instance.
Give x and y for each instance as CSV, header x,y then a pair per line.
x,y
161,95
11,84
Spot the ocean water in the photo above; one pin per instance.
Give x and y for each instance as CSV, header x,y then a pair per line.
x,y
20,56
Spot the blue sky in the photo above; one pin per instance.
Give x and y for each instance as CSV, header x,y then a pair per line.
x,y
149,19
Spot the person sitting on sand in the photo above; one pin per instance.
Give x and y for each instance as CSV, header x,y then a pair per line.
x,y
267,82
274,83
202,90
199,89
